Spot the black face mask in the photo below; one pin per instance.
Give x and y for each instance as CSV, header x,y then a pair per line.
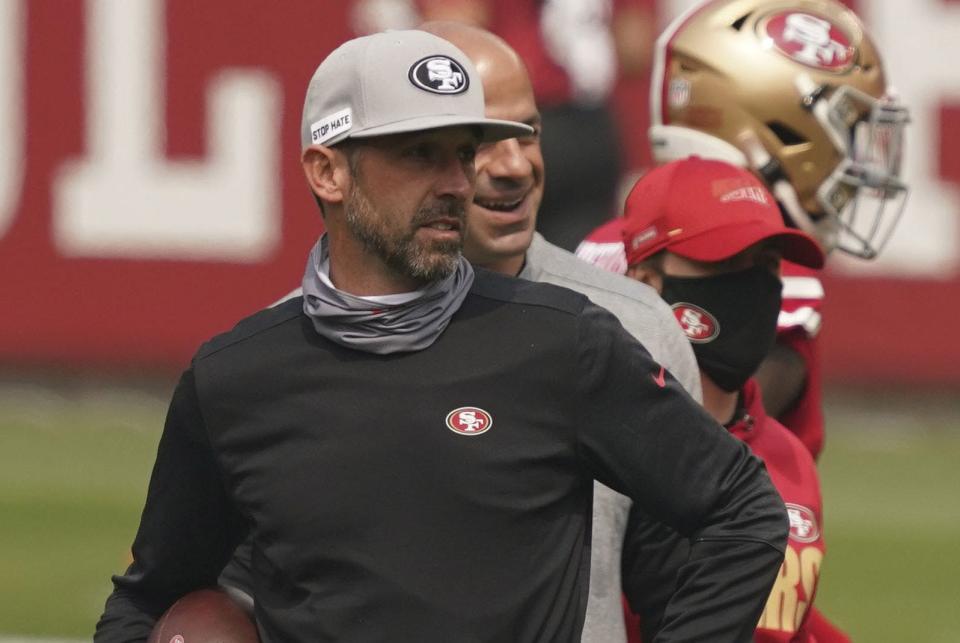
x,y
730,319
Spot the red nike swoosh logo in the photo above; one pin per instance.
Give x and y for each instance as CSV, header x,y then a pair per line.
x,y
658,379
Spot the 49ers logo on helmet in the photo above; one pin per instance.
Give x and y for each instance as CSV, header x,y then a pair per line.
x,y
469,420
810,40
699,326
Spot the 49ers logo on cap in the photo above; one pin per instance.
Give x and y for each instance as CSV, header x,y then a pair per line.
x,y
440,75
699,326
469,420
810,40
803,523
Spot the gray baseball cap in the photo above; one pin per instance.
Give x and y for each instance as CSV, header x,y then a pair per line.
x,y
393,82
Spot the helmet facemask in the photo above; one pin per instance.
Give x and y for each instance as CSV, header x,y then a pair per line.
x,y
864,196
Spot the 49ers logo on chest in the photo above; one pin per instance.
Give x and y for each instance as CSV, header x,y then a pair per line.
x,y
810,40
469,420
803,523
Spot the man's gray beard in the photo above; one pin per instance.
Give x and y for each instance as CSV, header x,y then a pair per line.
x,y
402,253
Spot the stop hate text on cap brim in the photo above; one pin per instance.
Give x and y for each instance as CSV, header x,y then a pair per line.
x,y
491,129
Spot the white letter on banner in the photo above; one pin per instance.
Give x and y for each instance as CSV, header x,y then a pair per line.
x,y
125,199
12,95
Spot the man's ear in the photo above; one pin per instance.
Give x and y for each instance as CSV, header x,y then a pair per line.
x,y
327,171
647,274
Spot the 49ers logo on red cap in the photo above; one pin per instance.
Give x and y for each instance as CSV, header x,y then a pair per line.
x,y
810,40
469,420
699,326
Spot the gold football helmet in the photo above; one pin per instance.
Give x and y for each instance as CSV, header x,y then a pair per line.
x,y
794,90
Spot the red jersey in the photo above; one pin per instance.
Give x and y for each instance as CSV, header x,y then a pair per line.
x,y
794,474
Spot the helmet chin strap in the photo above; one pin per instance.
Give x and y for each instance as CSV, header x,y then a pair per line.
x,y
824,229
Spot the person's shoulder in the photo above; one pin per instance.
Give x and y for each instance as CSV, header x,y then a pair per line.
x,y
802,302
556,265
603,247
792,466
253,327
513,290
638,306
782,440
800,282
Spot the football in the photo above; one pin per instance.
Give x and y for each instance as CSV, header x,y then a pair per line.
x,y
205,616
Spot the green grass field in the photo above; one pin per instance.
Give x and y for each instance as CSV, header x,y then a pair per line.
x,y
74,464
890,476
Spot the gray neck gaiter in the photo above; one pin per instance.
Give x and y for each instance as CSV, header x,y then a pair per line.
x,y
376,327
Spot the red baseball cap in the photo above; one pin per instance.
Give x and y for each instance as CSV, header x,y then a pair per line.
x,y
708,210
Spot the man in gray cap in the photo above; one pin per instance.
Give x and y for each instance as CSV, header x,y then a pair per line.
x,y
411,444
